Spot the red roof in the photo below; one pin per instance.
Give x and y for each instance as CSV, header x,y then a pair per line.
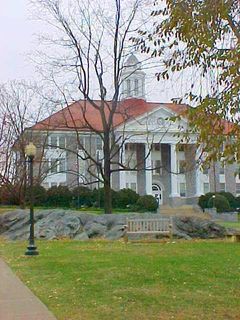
x,y
83,115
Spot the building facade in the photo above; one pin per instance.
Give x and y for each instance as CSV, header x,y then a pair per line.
x,y
160,163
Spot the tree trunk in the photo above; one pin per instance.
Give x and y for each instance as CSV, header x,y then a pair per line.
x,y
107,175
107,198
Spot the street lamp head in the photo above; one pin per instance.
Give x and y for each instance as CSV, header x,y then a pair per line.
x,y
30,150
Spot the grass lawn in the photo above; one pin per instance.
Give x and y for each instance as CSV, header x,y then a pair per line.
x,y
235,225
4,209
143,281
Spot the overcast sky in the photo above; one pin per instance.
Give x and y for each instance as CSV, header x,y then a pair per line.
x,y
18,38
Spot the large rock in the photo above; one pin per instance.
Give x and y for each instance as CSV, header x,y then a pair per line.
x,y
197,228
59,223
116,232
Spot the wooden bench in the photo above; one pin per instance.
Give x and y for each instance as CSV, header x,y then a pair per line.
x,y
233,237
162,226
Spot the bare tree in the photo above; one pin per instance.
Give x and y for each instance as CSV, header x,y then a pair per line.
x,y
19,109
92,42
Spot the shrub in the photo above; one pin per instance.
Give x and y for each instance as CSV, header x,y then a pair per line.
x,y
220,203
9,195
40,195
237,199
98,195
59,196
204,199
82,196
231,199
126,197
147,203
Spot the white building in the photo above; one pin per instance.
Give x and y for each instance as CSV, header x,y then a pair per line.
x,y
165,168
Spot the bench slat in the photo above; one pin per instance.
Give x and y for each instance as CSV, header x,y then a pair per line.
x,y
149,225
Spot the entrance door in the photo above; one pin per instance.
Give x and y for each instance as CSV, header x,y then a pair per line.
x,y
157,193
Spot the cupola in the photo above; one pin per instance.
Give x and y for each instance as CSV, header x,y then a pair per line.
x,y
133,79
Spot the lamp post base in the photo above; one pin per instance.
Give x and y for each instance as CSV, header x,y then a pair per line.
x,y
31,251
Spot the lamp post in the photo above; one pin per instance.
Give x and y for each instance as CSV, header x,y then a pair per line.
x,y
213,197
30,152
98,175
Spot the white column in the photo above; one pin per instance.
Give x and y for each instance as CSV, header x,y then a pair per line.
x,y
199,174
148,172
122,174
174,172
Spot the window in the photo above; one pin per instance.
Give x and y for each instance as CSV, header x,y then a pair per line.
x,y
45,185
182,189
130,147
221,170
132,163
205,170
157,166
128,87
182,166
156,147
53,166
134,186
81,164
53,142
222,187
57,165
237,188
62,142
45,166
206,187
136,88
53,184
99,143
61,165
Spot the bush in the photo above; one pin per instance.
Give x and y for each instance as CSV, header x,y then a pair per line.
x,y
98,195
82,196
40,195
147,203
231,199
204,199
126,197
59,196
220,203
9,195
237,199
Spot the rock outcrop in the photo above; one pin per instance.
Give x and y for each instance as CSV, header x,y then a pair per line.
x,y
59,223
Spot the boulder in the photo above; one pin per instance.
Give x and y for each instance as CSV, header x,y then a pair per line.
x,y
115,232
94,230
58,223
82,236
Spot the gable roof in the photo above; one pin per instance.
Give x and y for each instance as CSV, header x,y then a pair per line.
x,y
83,116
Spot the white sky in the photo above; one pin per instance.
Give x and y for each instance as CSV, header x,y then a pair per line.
x,y
18,38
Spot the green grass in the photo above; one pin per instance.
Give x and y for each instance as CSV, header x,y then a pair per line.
x,y
92,210
235,225
143,281
4,209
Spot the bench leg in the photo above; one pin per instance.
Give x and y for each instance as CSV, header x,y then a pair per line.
x,y
170,233
125,236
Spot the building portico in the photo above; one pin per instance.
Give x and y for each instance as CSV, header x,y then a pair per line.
x,y
158,169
